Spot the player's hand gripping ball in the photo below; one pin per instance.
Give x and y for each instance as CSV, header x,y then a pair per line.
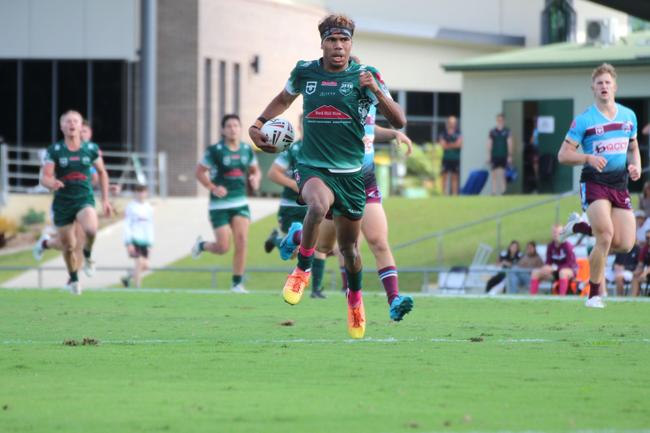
x,y
279,133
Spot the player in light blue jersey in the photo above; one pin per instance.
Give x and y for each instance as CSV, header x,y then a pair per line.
x,y
607,132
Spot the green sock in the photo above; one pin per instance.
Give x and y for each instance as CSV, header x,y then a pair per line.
x,y
354,280
317,271
73,276
236,279
305,262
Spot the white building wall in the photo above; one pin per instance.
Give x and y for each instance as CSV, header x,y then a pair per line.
x,y
69,29
484,94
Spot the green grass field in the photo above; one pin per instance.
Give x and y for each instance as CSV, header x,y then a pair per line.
x,y
189,362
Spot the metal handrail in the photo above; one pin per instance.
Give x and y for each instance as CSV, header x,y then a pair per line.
x,y
439,234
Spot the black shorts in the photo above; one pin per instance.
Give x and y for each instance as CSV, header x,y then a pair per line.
x,y
501,162
140,251
451,166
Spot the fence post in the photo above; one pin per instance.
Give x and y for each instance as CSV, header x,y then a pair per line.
x,y
440,252
425,281
499,235
162,174
4,174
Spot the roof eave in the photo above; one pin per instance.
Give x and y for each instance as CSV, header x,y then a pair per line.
x,y
642,61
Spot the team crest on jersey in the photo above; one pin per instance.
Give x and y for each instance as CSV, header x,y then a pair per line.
x,y
85,160
600,130
63,162
226,160
310,87
244,159
346,88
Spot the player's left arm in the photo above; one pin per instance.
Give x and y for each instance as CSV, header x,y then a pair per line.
x,y
385,104
254,172
634,168
103,185
387,134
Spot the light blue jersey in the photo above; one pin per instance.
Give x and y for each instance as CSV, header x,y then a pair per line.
x,y
369,139
608,138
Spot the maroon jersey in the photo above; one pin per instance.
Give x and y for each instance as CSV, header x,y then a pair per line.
x,y
561,255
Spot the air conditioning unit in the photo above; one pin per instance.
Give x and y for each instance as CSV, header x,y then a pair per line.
x,y
600,32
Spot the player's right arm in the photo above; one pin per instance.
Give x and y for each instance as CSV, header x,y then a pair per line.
x,y
277,175
48,179
202,174
277,106
569,154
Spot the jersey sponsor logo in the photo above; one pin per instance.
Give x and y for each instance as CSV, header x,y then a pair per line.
x,y
235,172
75,175
327,112
310,87
610,147
74,158
346,88
329,83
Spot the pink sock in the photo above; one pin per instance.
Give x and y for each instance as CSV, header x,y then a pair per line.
x,y
564,286
307,252
354,297
534,286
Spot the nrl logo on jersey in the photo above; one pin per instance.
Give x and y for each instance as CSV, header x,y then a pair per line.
x,y
310,87
63,162
627,126
346,88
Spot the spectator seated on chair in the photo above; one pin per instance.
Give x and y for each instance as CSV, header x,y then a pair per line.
x,y
643,266
622,271
506,260
520,275
560,258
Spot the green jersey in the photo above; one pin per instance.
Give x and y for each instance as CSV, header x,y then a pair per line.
x,y
335,107
73,168
288,160
229,168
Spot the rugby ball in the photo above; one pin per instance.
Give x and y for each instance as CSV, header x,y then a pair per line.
x,y
279,132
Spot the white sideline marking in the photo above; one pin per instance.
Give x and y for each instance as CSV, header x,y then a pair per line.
x,y
522,297
542,431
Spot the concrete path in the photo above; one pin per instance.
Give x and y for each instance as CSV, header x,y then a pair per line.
x,y
177,223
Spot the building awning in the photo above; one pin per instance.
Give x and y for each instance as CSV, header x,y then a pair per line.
x,y
632,50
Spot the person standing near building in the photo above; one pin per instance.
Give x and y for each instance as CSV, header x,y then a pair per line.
x,y
66,171
452,142
337,94
138,235
500,154
225,171
607,132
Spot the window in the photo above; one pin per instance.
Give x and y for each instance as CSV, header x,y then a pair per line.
x,y
37,115
558,21
109,103
207,109
236,89
222,89
426,112
8,96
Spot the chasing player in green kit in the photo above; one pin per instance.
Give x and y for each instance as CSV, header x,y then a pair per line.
x,y
337,95
225,170
67,172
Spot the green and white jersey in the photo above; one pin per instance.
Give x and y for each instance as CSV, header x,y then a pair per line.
x,y
229,168
288,160
73,168
335,107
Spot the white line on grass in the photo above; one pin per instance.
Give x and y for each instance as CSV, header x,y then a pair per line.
x,y
565,431
522,297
